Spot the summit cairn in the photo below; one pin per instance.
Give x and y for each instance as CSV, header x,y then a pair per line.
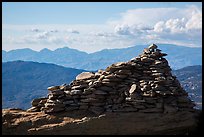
x,y
144,84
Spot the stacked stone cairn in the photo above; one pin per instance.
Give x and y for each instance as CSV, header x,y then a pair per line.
x,y
143,84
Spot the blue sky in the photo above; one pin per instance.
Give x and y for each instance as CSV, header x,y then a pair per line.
x,y
74,12
92,26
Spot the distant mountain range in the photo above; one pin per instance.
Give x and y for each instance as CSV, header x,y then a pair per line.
x,y
22,81
178,56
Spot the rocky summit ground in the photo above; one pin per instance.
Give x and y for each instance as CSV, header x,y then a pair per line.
x,y
20,122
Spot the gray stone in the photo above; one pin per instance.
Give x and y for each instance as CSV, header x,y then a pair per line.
x,y
98,104
43,101
159,88
88,91
150,100
53,105
120,63
67,92
128,99
97,74
79,86
133,88
150,94
85,75
126,109
158,62
159,105
106,88
152,46
170,109
52,88
53,110
100,92
111,80
139,100
56,92
157,74
146,59
111,76
71,108
96,110
145,88
160,79
75,92
123,72
87,100
52,97
147,71
139,106
36,101
63,86
33,109
109,84
121,76
146,50
119,100
68,102
163,92
83,107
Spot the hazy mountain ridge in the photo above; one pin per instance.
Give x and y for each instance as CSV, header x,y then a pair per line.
x,y
23,81
178,56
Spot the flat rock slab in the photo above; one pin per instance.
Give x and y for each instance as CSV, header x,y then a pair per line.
x,y
84,75
53,88
133,123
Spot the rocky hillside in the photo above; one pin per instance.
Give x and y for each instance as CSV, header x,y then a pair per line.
x,y
141,94
23,81
191,80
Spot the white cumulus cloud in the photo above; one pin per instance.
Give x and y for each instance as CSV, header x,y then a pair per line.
x,y
190,22
176,25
